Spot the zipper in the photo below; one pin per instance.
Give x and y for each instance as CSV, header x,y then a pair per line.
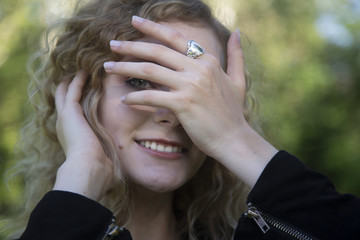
x,y
112,231
264,220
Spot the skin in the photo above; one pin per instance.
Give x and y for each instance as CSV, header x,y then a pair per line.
x,y
208,108
128,124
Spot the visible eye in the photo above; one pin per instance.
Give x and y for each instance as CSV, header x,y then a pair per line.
x,y
139,83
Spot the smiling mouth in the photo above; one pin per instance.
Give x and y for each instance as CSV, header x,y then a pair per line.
x,y
161,147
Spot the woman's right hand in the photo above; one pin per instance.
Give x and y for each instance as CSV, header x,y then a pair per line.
x,y
87,170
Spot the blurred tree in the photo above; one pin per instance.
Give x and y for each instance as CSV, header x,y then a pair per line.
x,y
20,29
309,91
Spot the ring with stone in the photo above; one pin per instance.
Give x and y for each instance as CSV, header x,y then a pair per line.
x,y
194,49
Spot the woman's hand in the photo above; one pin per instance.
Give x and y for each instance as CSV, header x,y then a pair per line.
x,y
86,170
207,101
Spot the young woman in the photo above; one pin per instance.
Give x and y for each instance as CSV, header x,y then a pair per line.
x,y
142,130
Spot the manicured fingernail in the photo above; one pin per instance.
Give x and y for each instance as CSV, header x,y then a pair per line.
x,y
137,19
115,43
238,35
109,65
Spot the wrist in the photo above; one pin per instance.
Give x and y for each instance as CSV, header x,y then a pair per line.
x,y
245,153
89,180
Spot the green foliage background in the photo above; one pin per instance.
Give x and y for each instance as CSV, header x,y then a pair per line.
x,y
308,85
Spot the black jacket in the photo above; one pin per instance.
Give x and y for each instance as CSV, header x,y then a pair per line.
x,y
289,201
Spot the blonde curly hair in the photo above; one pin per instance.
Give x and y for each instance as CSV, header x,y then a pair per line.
x,y
209,205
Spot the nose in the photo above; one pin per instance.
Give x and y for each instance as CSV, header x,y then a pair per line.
x,y
166,118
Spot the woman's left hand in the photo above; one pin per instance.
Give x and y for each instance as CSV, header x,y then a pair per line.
x,y
207,101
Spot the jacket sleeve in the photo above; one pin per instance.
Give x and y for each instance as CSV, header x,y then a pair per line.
x,y
294,200
64,215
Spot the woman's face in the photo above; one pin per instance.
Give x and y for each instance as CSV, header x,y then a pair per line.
x,y
154,150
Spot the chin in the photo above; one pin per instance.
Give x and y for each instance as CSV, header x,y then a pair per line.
x,y
161,183
163,188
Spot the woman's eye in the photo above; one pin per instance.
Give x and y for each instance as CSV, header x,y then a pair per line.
x,y
139,83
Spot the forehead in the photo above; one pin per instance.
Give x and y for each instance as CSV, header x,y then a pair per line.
x,y
203,35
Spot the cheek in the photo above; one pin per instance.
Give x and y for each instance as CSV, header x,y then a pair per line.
x,y
114,114
198,158
120,121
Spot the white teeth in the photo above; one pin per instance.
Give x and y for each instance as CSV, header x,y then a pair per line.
x,y
153,146
160,147
168,149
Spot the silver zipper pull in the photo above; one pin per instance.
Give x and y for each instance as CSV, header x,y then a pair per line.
x,y
253,213
112,231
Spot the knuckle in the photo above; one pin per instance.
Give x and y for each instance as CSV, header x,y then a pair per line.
x,y
127,46
174,36
193,87
214,62
158,51
196,82
147,97
241,54
185,101
206,69
148,68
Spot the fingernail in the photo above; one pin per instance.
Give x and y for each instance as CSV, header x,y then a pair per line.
x,y
238,35
115,43
109,65
137,19
123,98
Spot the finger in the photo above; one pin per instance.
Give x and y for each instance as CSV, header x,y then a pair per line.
x,y
153,98
145,70
151,52
236,67
164,34
75,87
60,95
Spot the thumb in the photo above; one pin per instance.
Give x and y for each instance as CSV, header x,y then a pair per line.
x,y
235,65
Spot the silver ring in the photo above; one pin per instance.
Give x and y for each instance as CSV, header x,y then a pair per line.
x,y
194,49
